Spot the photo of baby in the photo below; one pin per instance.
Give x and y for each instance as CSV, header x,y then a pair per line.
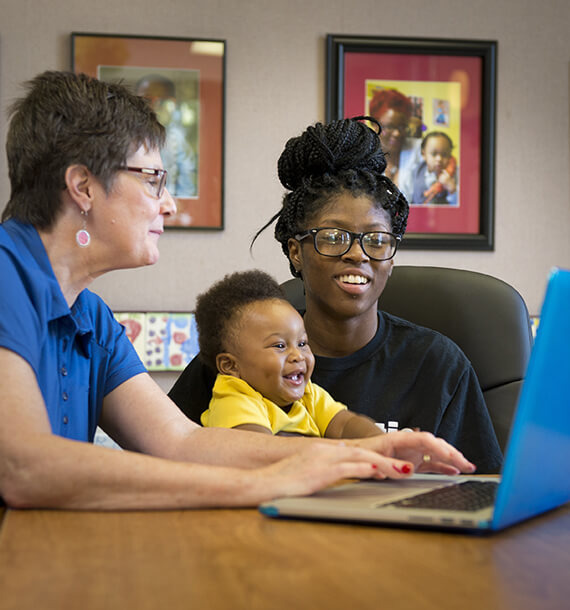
x,y
435,179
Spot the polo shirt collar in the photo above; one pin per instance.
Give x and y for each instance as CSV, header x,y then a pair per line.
x,y
33,254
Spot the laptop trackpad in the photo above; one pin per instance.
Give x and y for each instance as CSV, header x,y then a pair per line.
x,y
376,493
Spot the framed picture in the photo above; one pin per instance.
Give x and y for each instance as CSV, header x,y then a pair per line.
x,y
435,100
184,78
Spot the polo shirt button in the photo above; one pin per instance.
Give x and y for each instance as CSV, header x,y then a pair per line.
x,y
65,396
64,371
65,419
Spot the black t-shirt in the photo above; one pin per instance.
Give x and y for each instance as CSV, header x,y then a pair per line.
x,y
407,374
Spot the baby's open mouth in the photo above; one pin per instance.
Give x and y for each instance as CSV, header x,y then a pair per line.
x,y
296,377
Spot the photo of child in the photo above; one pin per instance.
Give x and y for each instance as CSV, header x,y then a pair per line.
x,y
435,180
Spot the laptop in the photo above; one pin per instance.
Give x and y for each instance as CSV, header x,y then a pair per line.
x,y
534,477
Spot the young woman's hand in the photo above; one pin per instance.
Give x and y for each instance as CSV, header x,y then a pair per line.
x,y
321,465
420,450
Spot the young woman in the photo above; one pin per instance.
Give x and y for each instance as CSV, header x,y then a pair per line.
x,y
340,225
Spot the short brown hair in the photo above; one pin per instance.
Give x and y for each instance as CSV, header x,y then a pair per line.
x,y
65,119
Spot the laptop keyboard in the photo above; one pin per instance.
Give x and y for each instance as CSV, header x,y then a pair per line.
x,y
466,496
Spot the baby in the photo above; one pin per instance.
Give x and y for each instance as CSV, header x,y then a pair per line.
x,y
434,179
256,341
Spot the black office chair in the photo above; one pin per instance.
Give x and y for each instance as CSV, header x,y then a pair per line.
x,y
485,316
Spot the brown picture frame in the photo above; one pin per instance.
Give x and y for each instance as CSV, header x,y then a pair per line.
x,y
185,78
459,78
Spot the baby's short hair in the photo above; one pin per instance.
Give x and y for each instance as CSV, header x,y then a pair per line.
x,y
436,134
217,308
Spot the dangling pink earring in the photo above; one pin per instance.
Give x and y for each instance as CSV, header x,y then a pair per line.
x,y
82,236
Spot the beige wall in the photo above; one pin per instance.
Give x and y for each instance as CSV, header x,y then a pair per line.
x,y
275,87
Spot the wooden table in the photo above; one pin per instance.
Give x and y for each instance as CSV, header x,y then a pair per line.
x,y
225,559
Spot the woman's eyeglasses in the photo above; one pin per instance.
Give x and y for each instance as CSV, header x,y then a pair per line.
x,y
156,178
328,241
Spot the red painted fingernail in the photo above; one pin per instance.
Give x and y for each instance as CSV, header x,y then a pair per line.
x,y
375,466
406,469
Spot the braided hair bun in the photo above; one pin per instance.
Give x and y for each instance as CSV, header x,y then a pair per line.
x,y
330,149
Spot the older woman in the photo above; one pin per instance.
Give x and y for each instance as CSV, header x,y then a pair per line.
x,y
88,196
340,225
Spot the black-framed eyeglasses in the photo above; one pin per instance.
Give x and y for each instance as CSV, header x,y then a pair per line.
x,y
330,241
156,181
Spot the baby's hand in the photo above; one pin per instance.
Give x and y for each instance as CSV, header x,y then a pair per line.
x,y
447,181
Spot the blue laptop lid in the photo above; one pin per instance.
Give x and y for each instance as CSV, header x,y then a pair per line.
x,y
535,472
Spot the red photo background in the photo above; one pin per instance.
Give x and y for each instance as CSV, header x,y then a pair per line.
x,y
359,67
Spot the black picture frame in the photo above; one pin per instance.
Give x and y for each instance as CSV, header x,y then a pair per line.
x,y
194,70
359,66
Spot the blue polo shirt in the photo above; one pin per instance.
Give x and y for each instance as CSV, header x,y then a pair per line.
x,y
78,355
